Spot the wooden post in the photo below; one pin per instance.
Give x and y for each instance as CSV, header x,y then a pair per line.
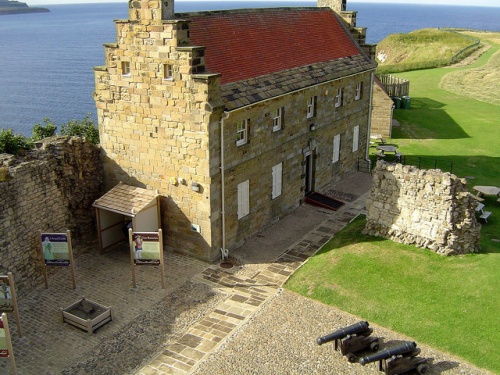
x,y
71,259
99,233
132,263
14,302
44,266
8,340
162,265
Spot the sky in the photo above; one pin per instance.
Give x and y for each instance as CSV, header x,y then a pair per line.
x,y
491,3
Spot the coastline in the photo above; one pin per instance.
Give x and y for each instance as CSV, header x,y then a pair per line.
x,y
17,7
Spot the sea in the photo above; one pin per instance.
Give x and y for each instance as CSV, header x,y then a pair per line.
x,y
47,59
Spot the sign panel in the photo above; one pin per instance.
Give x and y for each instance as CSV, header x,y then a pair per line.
x,y
55,248
4,347
6,303
146,247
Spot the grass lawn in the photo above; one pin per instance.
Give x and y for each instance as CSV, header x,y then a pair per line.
x,y
450,303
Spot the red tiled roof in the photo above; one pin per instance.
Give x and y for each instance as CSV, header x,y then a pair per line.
x,y
249,43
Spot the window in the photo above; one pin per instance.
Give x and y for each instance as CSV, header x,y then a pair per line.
x,y
311,107
355,138
167,71
277,173
242,132
243,199
359,90
339,98
277,116
125,68
336,148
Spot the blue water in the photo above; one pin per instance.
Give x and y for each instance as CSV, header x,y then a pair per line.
x,y
47,59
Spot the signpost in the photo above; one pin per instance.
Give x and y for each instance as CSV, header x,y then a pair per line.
x,y
146,249
6,350
8,298
57,251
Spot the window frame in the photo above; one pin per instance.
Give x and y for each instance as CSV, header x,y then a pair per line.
x,y
242,132
359,91
278,117
339,97
125,66
311,107
168,68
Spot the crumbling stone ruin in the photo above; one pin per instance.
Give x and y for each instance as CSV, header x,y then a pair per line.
x,y
426,208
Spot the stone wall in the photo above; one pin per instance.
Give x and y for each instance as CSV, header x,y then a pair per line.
x,y
50,189
426,208
291,146
381,117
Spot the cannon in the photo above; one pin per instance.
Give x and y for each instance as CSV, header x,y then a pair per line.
x,y
353,339
398,359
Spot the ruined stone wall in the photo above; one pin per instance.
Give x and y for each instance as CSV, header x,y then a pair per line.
x,y
426,208
50,189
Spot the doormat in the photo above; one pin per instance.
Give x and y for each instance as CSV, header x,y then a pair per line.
x,y
323,201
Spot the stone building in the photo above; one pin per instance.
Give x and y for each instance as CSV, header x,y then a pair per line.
x,y
382,110
233,116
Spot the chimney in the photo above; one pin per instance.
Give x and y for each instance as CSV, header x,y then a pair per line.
x,y
337,5
150,10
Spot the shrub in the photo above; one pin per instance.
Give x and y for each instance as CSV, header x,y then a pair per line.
x,y
48,129
85,128
14,144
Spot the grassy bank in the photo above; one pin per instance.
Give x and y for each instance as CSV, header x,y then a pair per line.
x,y
420,49
449,303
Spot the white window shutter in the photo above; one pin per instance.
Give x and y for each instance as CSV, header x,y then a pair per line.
x,y
277,180
336,148
355,139
243,199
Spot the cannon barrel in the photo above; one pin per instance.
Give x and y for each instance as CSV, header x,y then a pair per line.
x,y
403,348
343,332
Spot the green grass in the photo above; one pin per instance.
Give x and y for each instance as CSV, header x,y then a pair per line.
x,y
421,48
450,303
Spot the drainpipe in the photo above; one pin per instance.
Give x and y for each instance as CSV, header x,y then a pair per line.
x,y
223,250
367,158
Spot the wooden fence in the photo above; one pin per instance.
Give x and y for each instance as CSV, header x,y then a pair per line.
x,y
395,86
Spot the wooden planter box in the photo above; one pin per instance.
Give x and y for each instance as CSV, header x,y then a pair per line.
x,y
87,315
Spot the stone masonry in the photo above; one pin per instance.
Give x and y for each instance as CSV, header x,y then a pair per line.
x,y
50,189
426,208
162,126
381,117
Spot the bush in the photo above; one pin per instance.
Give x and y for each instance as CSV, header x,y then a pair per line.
x,y
85,129
14,144
48,129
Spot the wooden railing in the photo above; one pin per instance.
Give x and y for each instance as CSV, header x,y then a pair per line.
x,y
395,86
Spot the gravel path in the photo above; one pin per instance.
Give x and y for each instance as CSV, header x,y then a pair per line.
x,y
281,339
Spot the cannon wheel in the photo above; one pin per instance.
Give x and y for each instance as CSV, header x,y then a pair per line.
x,y
422,368
374,346
351,357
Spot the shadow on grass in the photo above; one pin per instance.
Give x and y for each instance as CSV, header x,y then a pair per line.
x,y
432,119
350,235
